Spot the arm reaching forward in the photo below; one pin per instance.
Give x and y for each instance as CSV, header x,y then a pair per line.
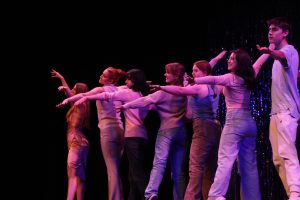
x,y
276,54
80,95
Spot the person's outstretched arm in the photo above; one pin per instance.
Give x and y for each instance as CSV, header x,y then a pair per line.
x,y
224,80
65,87
120,95
216,59
261,60
141,102
276,54
80,95
182,91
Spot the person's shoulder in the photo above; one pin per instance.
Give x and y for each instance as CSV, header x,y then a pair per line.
x,y
122,87
290,47
229,75
110,88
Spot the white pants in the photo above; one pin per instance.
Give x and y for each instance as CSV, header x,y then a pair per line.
x,y
283,133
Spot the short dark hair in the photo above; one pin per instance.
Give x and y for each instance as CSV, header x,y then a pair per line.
x,y
281,22
138,78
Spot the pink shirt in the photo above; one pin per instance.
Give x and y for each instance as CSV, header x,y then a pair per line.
x,y
235,92
134,118
171,108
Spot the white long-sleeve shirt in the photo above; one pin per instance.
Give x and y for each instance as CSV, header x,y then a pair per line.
x,y
134,118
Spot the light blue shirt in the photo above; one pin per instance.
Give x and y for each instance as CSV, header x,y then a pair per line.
x,y
284,91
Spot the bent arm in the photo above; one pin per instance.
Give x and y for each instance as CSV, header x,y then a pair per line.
x,y
65,86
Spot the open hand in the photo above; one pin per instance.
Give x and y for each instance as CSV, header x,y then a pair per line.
x,y
265,50
63,103
188,79
55,74
61,88
154,88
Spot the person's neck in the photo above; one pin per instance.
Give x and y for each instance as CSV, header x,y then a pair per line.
x,y
282,44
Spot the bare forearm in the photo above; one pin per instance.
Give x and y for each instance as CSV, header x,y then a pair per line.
x,y
216,59
259,62
67,89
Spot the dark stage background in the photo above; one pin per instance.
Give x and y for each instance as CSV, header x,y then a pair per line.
x,y
83,43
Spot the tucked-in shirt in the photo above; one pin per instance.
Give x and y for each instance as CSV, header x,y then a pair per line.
x,y
284,91
235,92
134,118
107,115
171,108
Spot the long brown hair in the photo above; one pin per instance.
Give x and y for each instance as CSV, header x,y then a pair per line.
x,y
177,70
85,107
203,66
244,67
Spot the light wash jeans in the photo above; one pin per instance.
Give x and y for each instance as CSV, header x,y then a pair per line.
x,y
238,139
283,133
169,143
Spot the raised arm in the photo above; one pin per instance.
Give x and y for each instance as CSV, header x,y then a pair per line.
x,y
65,87
216,59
